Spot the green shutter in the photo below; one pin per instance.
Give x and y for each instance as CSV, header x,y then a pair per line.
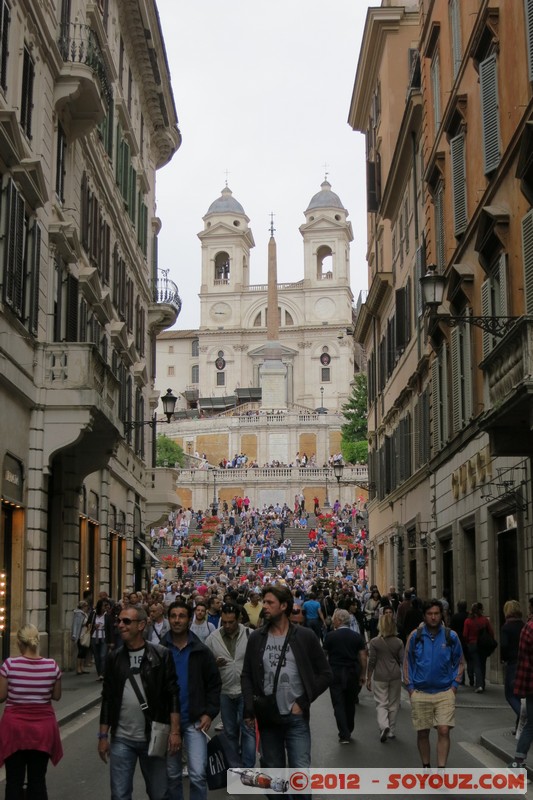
x,y
460,219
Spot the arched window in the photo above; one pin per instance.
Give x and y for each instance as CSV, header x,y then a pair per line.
x,y
195,373
195,348
324,263
221,268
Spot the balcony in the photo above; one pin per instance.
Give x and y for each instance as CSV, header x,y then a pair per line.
x,y
82,88
79,397
508,380
166,306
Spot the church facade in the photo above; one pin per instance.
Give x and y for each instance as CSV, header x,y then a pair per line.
x,y
218,371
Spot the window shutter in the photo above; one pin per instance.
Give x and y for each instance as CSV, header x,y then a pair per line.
x,y
435,406
435,84
420,269
4,42
71,327
527,256
460,221
467,373
83,314
455,22
372,203
401,318
488,80
487,339
529,36
456,379
35,274
439,225
503,309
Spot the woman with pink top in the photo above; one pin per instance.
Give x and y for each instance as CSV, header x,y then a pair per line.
x,y
29,733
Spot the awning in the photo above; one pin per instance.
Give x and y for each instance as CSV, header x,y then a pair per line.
x,y
217,403
248,394
144,547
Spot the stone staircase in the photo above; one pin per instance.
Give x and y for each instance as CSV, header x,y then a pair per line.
x,y
299,538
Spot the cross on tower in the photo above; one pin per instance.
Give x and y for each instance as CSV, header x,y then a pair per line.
x,y
227,173
326,172
272,228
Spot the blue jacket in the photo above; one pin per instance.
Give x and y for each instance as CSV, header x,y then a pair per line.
x,y
432,665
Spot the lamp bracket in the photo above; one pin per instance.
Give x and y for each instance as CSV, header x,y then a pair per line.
x,y
496,326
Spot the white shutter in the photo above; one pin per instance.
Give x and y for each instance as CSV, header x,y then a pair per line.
x,y
488,82
486,338
460,220
468,383
455,341
455,24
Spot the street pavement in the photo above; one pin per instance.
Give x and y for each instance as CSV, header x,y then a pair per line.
x,y
482,737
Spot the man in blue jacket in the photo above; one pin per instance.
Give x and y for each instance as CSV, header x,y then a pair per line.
x,y
433,669
199,691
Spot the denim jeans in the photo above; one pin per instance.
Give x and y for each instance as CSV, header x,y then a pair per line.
x,y
231,711
99,650
123,760
196,745
526,736
287,744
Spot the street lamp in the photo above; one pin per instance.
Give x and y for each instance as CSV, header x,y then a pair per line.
x,y
169,405
433,284
322,410
338,469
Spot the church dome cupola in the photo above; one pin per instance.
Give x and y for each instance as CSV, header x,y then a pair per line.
x,y
325,198
225,204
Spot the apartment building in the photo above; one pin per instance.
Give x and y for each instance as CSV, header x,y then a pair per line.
x,y
87,117
443,96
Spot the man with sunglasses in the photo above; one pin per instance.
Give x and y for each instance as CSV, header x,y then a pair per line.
x,y
121,715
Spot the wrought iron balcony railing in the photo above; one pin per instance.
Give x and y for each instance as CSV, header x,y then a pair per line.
x,y
78,44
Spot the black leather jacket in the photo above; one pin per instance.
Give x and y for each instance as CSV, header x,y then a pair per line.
x,y
158,676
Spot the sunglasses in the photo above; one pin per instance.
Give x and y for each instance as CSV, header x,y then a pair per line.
x,y
127,620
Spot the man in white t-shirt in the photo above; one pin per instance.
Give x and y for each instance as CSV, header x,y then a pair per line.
x,y
200,625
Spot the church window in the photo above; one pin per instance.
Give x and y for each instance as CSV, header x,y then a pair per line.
x,y
195,348
222,268
171,348
170,371
195,373
325,374
324,263
221,379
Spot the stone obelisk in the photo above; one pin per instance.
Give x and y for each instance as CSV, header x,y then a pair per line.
x,y
273,370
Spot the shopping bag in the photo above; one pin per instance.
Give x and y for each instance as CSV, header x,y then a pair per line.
x,y
221,756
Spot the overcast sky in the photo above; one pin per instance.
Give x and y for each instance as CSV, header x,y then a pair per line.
x,y
262,91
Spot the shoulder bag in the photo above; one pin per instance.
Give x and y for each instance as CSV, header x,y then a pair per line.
x,y
266,706
159,731
486,644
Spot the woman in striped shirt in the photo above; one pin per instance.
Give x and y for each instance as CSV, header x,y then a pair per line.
x,y
29,733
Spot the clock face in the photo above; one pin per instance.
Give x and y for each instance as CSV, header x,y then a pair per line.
x,y
325,359
220,312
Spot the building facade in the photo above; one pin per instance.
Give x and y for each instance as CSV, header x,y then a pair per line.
x,y
448,154
86,118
